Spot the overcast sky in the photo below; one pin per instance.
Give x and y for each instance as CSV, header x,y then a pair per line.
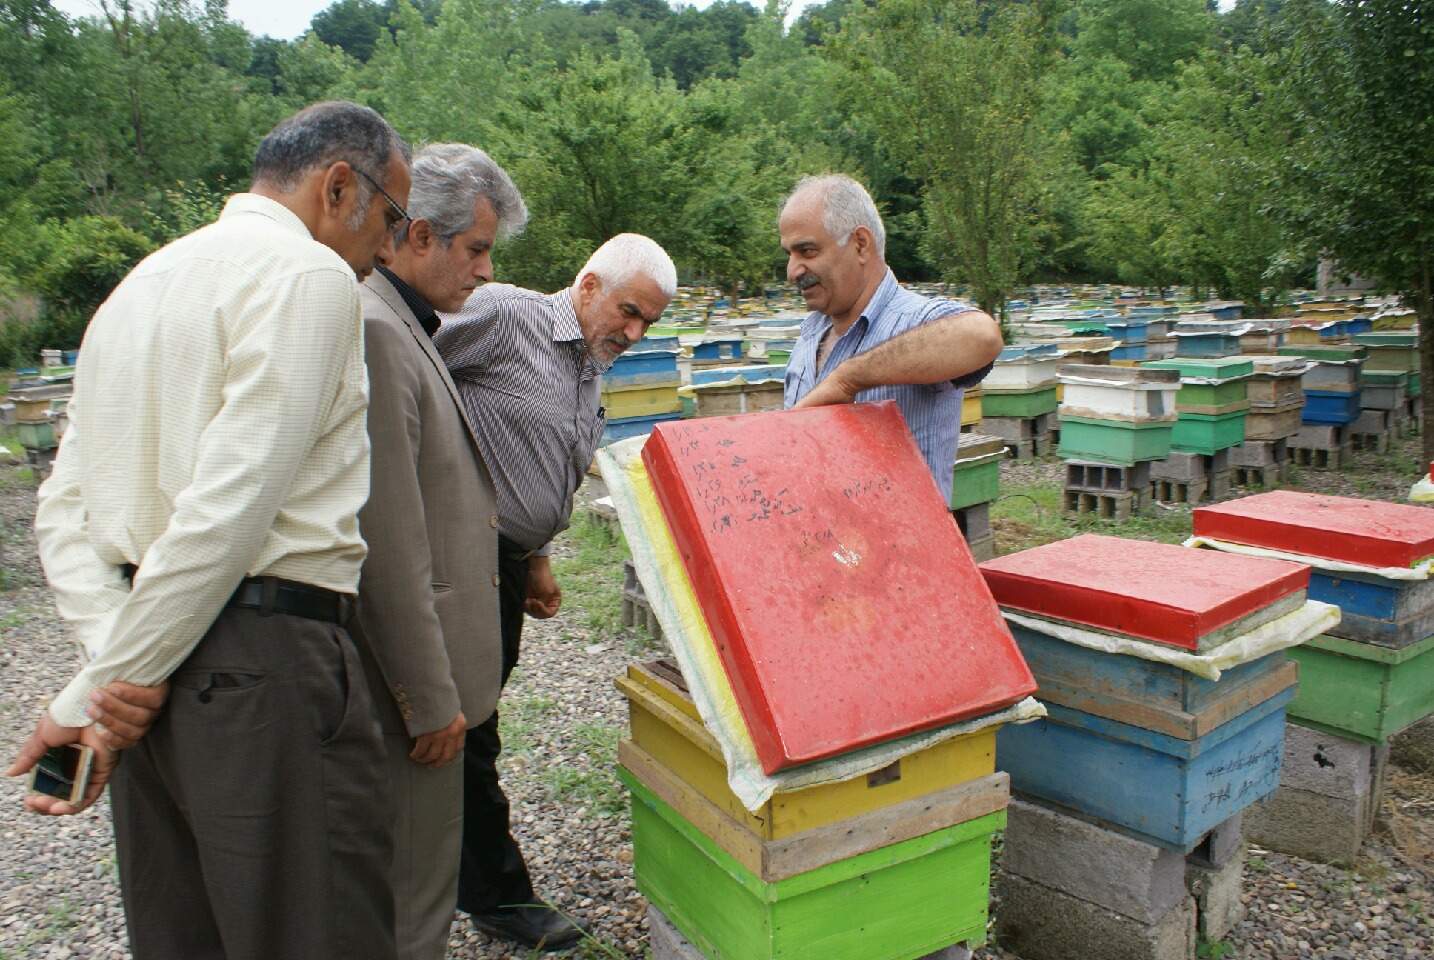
x,y
287,19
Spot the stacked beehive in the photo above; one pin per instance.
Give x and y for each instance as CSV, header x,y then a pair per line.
x,y
723,391
1212,404
1277,403
1391,366
639,391
1130,340
817,779
1018,398
1114,422
1332,402
1207,339
975,482
1364,679
1126,842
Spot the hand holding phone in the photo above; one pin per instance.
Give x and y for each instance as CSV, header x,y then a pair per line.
x,y
50,734
63,773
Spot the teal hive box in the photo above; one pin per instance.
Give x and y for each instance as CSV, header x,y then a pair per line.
x,y
977,480
1222,368
1200,433
1114,441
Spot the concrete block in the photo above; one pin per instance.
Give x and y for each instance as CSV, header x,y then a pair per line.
x,y
1369,442
983,548
1321,458
637,614
1327,764
1309,825
1264,477
1181,491
1135,879
1013,429
1319,437
974,521
1219,485
1107,477
1036,922
1106,506
1221,461
1216,890
1220,845
1260,453
1189,467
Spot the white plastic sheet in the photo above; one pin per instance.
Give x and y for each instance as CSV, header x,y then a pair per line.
x,y
1420,571
1291,630
669,591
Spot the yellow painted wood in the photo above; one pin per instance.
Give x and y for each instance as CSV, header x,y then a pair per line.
x,y
641,401
676,738
773,860
971,407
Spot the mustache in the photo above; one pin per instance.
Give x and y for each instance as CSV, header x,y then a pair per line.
x,y
806,281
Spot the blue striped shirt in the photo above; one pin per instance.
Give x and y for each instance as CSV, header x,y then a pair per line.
x,y
932,410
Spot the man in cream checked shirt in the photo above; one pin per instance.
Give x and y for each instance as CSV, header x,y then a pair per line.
x,y
200,528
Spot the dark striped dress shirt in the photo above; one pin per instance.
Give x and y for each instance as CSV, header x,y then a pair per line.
x,y
532,393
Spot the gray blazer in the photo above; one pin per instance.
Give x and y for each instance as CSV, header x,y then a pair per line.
x,y
428,597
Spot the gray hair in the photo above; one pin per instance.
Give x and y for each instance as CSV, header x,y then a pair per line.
x,y
448,181
323,134
627,255
845,206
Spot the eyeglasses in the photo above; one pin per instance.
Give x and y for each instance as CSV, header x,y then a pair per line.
x,y
403,216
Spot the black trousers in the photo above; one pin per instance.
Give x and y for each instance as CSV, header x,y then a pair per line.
x,y
491,872
254,821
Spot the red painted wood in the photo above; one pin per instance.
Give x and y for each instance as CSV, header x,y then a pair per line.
x,y
844,603
1337,528
1155,591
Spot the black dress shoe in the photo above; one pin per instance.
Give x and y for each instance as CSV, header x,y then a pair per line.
x,y
540,926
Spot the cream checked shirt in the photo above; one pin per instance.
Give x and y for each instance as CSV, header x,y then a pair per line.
x,y
217,430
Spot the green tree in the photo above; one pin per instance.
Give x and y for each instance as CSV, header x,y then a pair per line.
x,y
1358,79
954,89
1150,36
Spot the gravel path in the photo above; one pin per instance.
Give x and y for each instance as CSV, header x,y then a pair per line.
x,y
59,897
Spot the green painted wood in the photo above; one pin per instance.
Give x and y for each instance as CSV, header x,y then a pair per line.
x,y
1385,378
1411,389
1113,441
897,903
1391,338
1199,433
1392,358
1325,351
1363,691
1213,394
979,483
1213,368
1025,403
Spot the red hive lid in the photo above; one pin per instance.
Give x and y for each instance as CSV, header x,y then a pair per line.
x,y
845,606
1365,532
1155,591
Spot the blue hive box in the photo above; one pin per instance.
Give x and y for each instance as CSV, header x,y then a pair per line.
x,y
1336,409
632,427
1162,789
1128,351
636,368
724,349
1210,344
1370,595
755,373
1131,331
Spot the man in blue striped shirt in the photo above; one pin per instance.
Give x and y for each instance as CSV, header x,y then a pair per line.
x,y
869,338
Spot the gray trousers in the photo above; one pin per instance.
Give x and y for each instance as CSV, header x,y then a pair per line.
x,y
254,821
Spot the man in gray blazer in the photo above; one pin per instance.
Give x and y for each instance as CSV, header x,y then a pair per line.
x,y
428,599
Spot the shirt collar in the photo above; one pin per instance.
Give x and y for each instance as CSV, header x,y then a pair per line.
x,y
423,311
241,203
567,329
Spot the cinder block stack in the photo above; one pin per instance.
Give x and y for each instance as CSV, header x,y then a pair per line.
x,y
1018,398
1332,402
1277,403
1114,422
975,482
639,391
798,806
1212,403
1126,838
1361,681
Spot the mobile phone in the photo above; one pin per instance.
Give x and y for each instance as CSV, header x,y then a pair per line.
x,y
63,773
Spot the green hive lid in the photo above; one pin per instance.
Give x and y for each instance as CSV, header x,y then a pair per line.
x,y
1388,338
1218,368
1321,351
977,444
1384,377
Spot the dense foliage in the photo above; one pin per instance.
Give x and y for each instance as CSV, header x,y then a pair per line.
x,y
1149,142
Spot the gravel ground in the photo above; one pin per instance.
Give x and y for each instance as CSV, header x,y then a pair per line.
x,y
59,897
